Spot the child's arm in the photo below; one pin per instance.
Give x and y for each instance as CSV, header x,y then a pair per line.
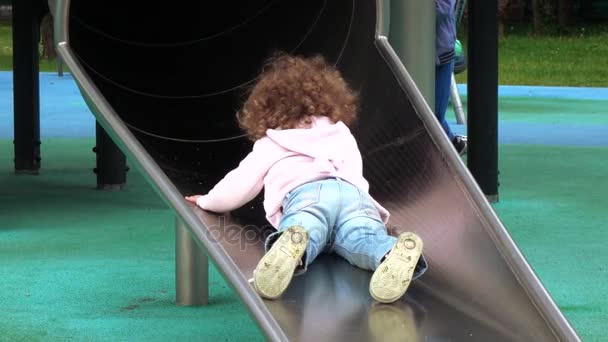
x,y
238,187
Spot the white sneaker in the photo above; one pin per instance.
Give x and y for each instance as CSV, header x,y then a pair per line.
x,y
274,272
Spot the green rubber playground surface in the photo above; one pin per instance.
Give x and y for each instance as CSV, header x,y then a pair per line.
x,y
85,265
556,111
553,201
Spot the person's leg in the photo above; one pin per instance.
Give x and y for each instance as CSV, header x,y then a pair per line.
x,y
443,78
363,240
316,227
395,261
302,235
360,237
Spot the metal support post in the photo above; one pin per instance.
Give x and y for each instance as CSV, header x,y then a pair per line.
x,y
59,62
26,92
482,98
412,35
111,167
191,269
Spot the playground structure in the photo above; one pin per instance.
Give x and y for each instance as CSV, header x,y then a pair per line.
x,y
478,287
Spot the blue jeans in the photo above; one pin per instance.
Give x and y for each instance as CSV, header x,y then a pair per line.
x,y
340,219
443,81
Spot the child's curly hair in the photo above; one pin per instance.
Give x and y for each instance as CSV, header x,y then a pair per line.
x,y
291,90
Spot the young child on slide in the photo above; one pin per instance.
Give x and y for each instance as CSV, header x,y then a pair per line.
x,y
308,162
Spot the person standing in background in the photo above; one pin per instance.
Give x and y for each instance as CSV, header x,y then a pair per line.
x,y
445,41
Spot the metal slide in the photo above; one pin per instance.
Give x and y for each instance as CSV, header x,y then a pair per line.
x,y
165,78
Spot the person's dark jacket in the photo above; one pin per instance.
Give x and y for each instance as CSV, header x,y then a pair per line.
x,y
446,31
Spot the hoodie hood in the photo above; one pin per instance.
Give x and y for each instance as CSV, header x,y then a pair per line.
x,y
323,141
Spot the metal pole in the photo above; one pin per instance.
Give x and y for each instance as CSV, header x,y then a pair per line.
x,y
191,269
455,95
59,66
26,93
456,103
111,167
384,17
483,95
412,36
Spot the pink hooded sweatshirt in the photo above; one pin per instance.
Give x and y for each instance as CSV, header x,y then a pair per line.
x,y
286,159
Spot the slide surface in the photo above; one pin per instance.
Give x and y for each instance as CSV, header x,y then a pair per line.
x,y
165,79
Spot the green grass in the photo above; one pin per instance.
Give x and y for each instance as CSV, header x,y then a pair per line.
x,y
6,52
577,58
6,49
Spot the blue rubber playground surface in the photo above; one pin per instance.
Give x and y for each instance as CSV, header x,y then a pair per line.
x,y
550,115
86,265
528,115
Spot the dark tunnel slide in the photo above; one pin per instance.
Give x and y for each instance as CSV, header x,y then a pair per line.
x,y
166,78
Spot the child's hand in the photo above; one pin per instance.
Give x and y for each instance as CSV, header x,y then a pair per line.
x,y
193,199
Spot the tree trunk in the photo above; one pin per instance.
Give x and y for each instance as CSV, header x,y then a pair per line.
x,y
537,16
46,36
564,13
502,6
544,15
586,8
